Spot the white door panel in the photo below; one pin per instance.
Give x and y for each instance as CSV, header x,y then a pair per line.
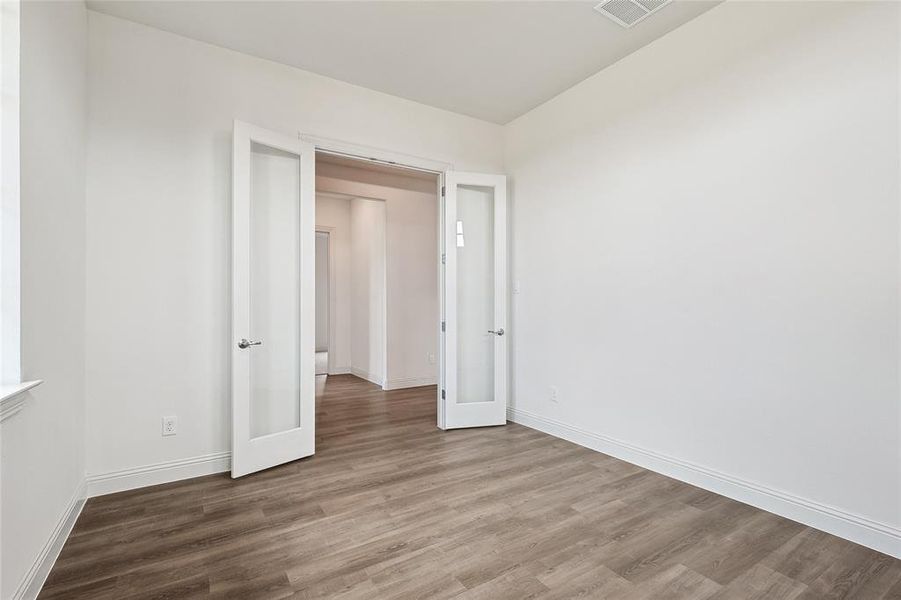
x,y
273,318
475,378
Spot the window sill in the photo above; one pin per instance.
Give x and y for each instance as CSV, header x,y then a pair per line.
x,y
12,397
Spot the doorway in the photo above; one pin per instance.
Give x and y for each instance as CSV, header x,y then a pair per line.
x,y
275,188
384,231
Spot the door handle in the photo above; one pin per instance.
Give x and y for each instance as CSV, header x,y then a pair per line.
x,y
245,343
498,332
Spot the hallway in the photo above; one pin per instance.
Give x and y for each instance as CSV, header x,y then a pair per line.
x,y
391,507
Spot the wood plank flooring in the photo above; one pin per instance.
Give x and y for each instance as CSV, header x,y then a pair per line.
x,y
391,507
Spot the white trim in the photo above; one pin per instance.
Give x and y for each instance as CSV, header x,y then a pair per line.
x,y
866,532
410,382
34,580
363,374
155,474
378,379
440,326
9,390
340,371
11,405
12,397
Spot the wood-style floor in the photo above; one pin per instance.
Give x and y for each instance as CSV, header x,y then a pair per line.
x,y
391,507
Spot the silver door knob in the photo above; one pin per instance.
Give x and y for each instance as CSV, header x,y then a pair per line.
x,y
245,343
498,332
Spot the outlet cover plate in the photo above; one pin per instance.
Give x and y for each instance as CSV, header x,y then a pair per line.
x,y
170,425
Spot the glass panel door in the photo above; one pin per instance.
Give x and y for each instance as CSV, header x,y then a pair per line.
x,y
475,301
273,397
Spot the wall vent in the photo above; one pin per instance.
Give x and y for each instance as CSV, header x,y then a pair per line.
x,y
629,12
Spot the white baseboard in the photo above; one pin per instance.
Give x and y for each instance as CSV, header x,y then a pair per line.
x,y
340,371
371,377
34,580
410,382
164,472
866,532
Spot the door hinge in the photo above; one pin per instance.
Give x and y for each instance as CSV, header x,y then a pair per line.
x,y
443,326
443,395
442,191
444,259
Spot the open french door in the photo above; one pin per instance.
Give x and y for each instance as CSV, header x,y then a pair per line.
x,y
273,316
474,385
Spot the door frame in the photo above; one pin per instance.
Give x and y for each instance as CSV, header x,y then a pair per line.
x,y
332,298
416,163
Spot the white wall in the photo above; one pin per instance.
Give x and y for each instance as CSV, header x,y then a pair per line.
x,y
158,229
10,345
322,291
706,238
334,213
43,445
411,205
367,285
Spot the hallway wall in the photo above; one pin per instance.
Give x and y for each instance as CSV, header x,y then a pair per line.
x,y
367,285
322,291
334,212
412,265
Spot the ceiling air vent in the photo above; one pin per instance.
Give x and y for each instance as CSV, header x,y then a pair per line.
x,y
629,12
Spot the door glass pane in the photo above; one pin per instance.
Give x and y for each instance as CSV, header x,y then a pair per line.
x,y
475,294
274,290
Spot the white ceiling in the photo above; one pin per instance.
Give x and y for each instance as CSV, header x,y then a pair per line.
x,y
491,60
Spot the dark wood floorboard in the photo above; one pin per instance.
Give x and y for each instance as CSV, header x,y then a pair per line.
x,y
391,507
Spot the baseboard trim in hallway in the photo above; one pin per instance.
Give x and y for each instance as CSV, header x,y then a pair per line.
x,y
409,382
370,377
155,474
863,531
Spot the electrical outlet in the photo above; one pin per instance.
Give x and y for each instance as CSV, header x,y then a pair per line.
x,y
553,393
431,358
170,425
